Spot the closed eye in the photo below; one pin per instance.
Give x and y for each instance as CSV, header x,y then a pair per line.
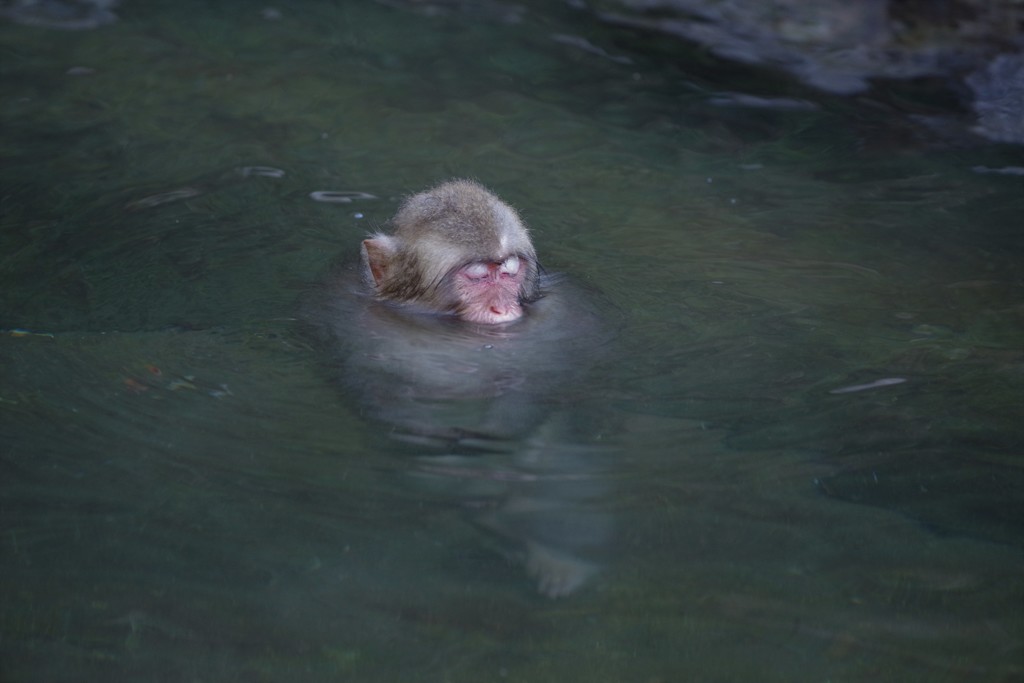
x,y
476,271
510,266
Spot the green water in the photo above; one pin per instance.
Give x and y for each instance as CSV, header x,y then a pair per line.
x,y
185,496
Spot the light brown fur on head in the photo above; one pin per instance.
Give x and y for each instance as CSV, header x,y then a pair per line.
x,y
464,212
438,231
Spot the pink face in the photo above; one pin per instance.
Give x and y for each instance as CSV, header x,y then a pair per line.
x,y
489,291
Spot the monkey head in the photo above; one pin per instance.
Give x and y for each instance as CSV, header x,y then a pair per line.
x,y
455,250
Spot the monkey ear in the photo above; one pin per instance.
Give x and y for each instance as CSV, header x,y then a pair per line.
x,y
377,253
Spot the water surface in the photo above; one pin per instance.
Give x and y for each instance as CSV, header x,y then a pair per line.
x,y
186,495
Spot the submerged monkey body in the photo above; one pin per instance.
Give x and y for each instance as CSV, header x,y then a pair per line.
x,y
435,376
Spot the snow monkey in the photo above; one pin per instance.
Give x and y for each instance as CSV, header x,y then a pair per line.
x,y
456,249
449,334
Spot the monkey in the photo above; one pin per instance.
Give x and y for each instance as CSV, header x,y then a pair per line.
x,y
457,250
450,334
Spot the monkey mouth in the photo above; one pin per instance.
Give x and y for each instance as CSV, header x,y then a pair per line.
x,y
494,314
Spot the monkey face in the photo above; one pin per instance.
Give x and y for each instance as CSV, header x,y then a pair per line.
x,y
456,250
490,292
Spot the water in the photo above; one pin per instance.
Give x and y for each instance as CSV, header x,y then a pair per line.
x,y
186,495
